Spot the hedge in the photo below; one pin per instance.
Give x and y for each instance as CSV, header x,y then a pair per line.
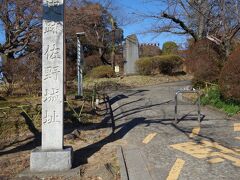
x,y
102,72
165,64
229,80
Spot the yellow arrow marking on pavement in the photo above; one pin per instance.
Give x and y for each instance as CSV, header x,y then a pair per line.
x,y
176,170
210,151
195,132
237,150
216,160
237,127
149,138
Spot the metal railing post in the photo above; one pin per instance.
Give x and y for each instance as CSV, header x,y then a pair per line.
x,y
199,108
176,103
176,109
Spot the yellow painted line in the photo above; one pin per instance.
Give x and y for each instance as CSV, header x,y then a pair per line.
x,y
219,147
236,149
237,127
176,170
149,138
216,160
238,138
213,152
195,132
193,149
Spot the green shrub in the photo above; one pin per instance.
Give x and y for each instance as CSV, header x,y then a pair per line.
x,y
102,72
146,66
170,48
213,97
165,64
168,63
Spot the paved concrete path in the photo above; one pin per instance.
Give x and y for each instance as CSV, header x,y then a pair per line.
x,y
158,149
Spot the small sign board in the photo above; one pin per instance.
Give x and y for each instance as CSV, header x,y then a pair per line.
x,y
117,69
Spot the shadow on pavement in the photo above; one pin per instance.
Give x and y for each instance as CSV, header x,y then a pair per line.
x,y
81,156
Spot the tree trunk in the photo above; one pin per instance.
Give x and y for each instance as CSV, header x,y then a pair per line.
x,y
100,51
203,8
227,48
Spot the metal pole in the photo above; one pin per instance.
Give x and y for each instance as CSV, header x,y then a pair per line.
x,y
199,108
198,103
79,67
113,44
176,104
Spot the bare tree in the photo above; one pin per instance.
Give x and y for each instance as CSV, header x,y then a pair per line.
x,y
95,20
21,22
217,20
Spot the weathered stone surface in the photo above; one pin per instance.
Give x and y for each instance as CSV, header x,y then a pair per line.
x,y
52,74
131,54
51,160
51,156
29,175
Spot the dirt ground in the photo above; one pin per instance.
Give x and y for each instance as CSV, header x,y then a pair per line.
x,y
102,164
94,157
135,81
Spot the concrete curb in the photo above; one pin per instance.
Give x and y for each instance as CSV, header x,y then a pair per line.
x,y
132,164
135,164
120,154
122,164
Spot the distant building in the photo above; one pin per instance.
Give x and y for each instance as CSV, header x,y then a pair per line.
x,y
149,50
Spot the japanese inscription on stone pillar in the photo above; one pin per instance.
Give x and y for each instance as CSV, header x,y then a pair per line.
x,y
52,74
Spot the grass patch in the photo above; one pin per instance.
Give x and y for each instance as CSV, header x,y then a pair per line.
x,y
213,98
132,81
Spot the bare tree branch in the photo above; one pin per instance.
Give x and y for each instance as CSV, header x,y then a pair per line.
x,y
181,24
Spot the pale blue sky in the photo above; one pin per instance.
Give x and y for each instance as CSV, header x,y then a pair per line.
x,y
2,34
136,25
139,25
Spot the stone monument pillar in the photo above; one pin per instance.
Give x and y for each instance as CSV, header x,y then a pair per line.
x,y
131,54
52,156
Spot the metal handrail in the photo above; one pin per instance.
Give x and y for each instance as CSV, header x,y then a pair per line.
x,y
176,103
78,115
